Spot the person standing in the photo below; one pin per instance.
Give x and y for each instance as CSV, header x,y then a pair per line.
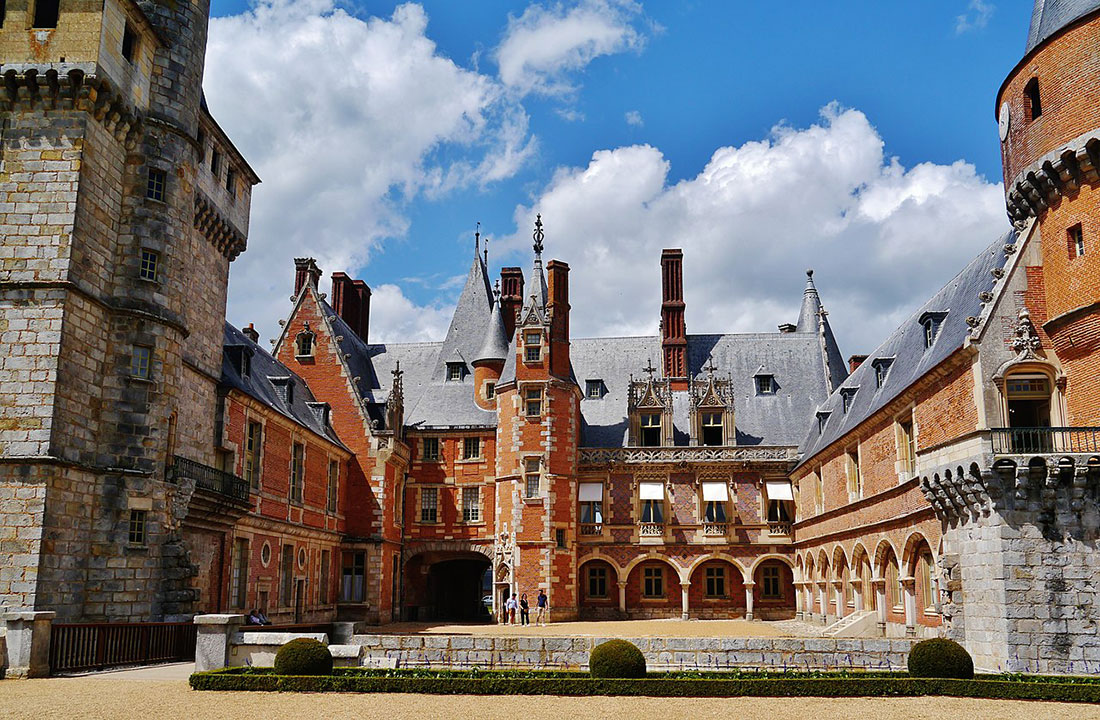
x,y
524,610
542,608
511,606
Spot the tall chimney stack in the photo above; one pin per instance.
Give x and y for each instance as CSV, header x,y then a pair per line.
x,y
673,331
351,301
558,309
511,297
305,269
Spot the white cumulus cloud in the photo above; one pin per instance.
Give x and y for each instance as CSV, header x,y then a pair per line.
x,y
881,237
977,16
633,117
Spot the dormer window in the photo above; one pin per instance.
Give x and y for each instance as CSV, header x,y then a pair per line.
x,y
594,389
455,371
765,384
882,369
490,391
284,388
822,419
532,401
532,347
712,429
931,322
651,429
847,397
303,343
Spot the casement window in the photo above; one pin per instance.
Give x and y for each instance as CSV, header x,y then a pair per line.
x,y
353,580
333,485
847,398
780,499
770,586
907,446
532,478
238,587
653,582
532,346
303,344
652,496
851,469
286,576
471,504
490,391
252,443
471,448
532,401
429,505
1033,104
1076,239
765,384
297,467
882,369
597,582
715,497
136,529
651,430
324,579
593,389
46,13
559,538
590,496
715,581
931,321
141,362
455,371
429,449
150,265
129,42
712,429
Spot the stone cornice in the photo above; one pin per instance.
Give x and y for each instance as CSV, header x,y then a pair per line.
x,y
161,318
589,457
1059,172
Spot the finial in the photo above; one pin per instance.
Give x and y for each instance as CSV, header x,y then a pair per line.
x,y
810,273
710,367
477,238
496,290
537,236
649,369
486,251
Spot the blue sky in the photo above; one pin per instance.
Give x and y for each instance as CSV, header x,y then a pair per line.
x,y
855,137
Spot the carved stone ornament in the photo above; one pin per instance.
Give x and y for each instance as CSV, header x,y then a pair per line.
x,y
1027,340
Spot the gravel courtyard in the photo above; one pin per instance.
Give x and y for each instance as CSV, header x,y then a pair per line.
x,y
613,628
163,693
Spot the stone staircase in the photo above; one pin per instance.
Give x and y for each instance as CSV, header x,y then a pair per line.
x,y
858,624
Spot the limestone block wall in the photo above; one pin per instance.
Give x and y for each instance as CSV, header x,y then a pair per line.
x,y
22,510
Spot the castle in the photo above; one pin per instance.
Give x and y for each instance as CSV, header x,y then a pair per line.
x,y
156,462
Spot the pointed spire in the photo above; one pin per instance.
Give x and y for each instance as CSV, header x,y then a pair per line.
x,y
811,306
495,346
538,279
813,318
477,240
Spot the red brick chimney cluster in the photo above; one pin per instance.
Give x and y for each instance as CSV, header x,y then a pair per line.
x,y
673,330
351,301
557,305
511,297
305,269
855,361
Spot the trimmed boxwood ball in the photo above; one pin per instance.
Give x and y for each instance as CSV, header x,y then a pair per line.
x,y
616,659
940,658
303,656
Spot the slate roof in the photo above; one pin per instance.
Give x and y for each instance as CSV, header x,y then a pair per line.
x,y
793,359
466,334
495,346
1050,16
813,318
911,360
258,385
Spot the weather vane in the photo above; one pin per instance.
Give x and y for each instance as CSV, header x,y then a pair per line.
x,y
537,235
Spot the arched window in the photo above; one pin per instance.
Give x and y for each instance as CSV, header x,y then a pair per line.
x,y
893,590
1033,106
303,343
926,586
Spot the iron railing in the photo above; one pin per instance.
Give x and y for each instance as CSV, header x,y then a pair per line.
x,y
651,529
95,646
591,528
209,478
1025,440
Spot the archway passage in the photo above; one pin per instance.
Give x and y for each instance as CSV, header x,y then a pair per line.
x,y
447,586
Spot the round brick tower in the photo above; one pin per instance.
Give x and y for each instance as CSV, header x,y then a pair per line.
x,y
1048,112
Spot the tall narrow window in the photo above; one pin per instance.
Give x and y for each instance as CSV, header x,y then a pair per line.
x,y
136,529
769,579
653,582
531,477
532,399
597,582
591,507
3,11
141,362
532,347
429,504
471,448
354,570
1033,106
333,484
286,576
907,447
150,265
154,185
925,588
471,504
855,482
715,577
238,591
324,580
252,442
297,465
651,430
129,42
847,398
215,162
490,391
1076,238
46,13
712,429
231,183
429,449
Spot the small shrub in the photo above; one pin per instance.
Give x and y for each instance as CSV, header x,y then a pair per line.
x,y
940,658
303,656
616,659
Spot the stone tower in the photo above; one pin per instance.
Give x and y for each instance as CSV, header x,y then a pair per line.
x,y
122,204
538,404
1048,110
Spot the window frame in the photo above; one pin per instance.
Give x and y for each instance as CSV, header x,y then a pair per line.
x,y
490,390
646,428
253,453
466,443
532,401
455,371
765,384
1033,100
238,578
532,472
425,444
141,362
1075,238
710,420
652,508
532,346
653,582
149,264
297,473
353,576
137,528
429,505
129,42
332,494
714,582
471,511
593,389
771,574
48,22
597,577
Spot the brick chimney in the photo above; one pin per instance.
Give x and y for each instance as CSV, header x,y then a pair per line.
x,y
855,361
305,269
351,301
557,286
250,332
673,331
511,297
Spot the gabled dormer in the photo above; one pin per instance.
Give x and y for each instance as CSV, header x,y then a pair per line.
x,y
711,410
649,403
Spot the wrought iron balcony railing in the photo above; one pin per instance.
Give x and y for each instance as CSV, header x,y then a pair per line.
x,y
651,529
209,478
591,529
679,454
1040,440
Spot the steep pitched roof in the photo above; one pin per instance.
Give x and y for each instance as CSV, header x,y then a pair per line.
x,y
1050,16
258,383
466,333
905,348
495,346
813,318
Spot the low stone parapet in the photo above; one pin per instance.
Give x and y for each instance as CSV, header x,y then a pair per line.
x,y
258,648
464,651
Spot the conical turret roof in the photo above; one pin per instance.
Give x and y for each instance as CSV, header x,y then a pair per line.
x,y
495,347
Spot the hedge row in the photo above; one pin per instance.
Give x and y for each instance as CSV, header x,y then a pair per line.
x,y
654,687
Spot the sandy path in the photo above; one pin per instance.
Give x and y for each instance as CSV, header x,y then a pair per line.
x,y
124,696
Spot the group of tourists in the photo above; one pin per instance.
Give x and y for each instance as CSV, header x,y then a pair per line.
x,y
512,604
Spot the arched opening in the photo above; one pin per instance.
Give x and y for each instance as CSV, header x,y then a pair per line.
x,y
844,600
862,565
448,585
773,591
653,590
599,590
717,590
922,566
1033,105
890,571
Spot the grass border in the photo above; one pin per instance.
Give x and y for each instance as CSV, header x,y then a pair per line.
x,y
233,679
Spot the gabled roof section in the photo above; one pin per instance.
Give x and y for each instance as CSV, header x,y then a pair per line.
x,y
911,360
258,383
1050,16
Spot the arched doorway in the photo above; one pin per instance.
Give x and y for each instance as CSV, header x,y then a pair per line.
x,y
447,585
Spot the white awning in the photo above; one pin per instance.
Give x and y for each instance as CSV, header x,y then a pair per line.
x,y
780,490
715,492
651,491
591,492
